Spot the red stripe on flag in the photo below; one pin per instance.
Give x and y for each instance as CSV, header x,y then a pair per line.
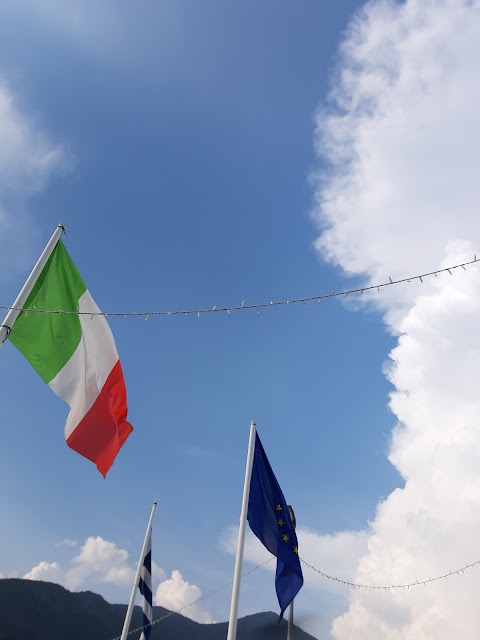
x,y
100,435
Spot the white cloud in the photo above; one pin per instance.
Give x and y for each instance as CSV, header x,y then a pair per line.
x,y
158,574
336,555
403,140
67,542
102,559
27,157
176,593
404,143
254,551
47,572
27,161
98,559
91,26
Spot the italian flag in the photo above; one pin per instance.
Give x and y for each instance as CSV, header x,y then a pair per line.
x,y
76,356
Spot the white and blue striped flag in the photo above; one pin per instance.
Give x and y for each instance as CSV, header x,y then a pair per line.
x,y
145,586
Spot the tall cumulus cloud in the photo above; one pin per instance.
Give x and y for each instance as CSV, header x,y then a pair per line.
x,y
401,135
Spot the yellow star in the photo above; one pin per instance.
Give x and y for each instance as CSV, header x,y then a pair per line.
x,y
295,550
280,522
285,537
279,507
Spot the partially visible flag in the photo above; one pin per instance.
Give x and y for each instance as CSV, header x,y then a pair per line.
x,y
143,580
145,586
77,358
269,519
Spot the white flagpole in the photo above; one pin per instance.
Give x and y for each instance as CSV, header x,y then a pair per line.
x,y
290,622
232,623
12,315
128,616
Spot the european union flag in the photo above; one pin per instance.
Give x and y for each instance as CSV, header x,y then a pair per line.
x,y
269,519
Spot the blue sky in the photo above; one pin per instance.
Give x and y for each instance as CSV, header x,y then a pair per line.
x,y
188,148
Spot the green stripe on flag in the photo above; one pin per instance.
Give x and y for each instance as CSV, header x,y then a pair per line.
x,y
48,340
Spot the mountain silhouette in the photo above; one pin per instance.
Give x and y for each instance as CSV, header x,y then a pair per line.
x,y
34,610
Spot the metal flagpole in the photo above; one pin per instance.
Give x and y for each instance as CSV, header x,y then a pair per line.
x,y
290,622
12,315
128,616
290,609
232,623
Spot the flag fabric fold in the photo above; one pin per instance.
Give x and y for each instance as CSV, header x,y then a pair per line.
x,y
269,519
76,356
145,587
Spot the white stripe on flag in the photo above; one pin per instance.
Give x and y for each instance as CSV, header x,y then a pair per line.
x,y
145,586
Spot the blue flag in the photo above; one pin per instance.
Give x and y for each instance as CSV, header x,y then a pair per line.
x,y
269,519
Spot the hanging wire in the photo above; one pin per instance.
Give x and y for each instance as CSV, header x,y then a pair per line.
x,y
354,585
190,604
243,306
390,586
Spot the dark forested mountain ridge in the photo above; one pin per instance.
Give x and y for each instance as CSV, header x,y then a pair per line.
x,y
31,610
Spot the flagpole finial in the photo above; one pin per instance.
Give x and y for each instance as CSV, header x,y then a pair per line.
x,y
253,423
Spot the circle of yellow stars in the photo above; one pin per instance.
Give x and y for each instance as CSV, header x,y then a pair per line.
x,y
280,523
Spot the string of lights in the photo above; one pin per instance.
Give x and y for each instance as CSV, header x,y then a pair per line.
x,y
367,587
354,585
190,604
262,305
